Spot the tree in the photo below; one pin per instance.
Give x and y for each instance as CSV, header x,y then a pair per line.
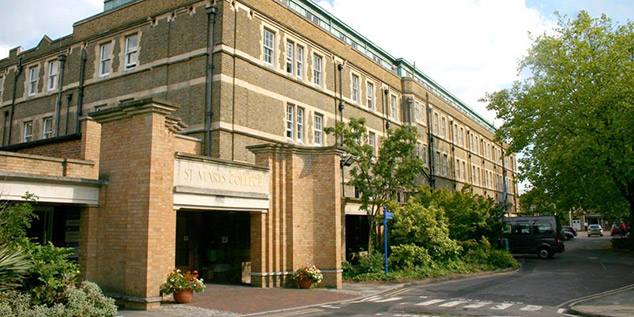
x,y
572,117
379,178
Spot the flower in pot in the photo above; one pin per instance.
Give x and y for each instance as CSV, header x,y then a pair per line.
x,y
306,275
182,285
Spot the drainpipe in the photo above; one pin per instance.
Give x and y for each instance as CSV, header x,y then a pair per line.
x,y
68,99
211,13
452,132
430,137
340,68
15,83
386,107
80,99
60,82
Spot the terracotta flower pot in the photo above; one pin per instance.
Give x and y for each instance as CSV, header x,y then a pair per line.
x,y
183,296
305,284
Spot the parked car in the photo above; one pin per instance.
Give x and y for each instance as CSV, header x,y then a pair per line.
x,y
569,229
567,235
595,230
538,235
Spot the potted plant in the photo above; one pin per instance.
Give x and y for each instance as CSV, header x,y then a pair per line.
x,y
306,275
182,285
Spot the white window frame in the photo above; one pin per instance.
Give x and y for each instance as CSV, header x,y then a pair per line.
x,y
300,62
464,171
318,61
53,71
290,57
436,123
445,164
425,161
268,47
461,137
370,94
458,176
27,135
33,80
372,142
393,106
318,130
47,128
444,127
300,124
290,121
131,52
105,58
354,83
437,161
1,87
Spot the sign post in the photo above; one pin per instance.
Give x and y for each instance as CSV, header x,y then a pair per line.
x,y
386,215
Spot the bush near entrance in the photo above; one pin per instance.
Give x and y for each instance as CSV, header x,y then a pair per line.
x,y
40,280
435,234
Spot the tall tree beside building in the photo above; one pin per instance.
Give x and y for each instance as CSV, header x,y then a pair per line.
x,y
379,173
572,117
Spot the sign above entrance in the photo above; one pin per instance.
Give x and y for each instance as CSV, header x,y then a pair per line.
x,y
203,183
212,175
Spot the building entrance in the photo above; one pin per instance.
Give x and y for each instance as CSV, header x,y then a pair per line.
x,y
215,243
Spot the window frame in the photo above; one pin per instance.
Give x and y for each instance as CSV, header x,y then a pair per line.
x,y
369,86
27,127
1,86
299,62
103,59
290,57
393,106
268,52
34,71
318,130
299,123
318,71
131,52
372,141
51,78
290,121
47,134
354,87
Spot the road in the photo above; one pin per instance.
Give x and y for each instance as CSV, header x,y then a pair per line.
x,y
539,288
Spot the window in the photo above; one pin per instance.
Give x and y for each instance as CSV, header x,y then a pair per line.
x,y
355,87
131,51
105,59
317,70
464,171
300,62
461,136
457,169
372,141
370,94
268,47
319,129
444,127
1,86
394,106
436,118
47,128
28,131
543,228
445,165
455,133
522,228
416,111
437,162
33,72
425,155
471,142
290,56
473,178
290,121
300,124
52,75
486,178
419,148
478,177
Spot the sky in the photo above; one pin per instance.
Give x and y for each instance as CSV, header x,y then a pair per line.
x,y
470,47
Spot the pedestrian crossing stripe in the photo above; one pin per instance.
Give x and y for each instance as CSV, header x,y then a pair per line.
x,y
453,303
469,304
430,302
478,305
531,308
391,299
502,306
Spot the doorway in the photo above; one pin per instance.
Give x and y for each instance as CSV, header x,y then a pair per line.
x,y
215,243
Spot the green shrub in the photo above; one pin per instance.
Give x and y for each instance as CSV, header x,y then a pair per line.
x,y
14,263
52,274
408,256
348,270
373,263
85,301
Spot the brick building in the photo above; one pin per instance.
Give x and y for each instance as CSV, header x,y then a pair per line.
x,y
191,134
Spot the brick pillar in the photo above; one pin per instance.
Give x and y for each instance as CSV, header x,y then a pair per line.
x,y
303,223
137,242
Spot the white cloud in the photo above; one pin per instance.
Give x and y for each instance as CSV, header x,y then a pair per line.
x,y
467,46
25,22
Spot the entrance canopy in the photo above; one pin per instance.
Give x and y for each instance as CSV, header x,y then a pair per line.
x,y
212,184
50,189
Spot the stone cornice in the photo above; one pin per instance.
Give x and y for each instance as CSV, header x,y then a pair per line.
x,y
132,108
295,149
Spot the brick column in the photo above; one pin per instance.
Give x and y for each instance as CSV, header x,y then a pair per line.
x,y
303,224
137,243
